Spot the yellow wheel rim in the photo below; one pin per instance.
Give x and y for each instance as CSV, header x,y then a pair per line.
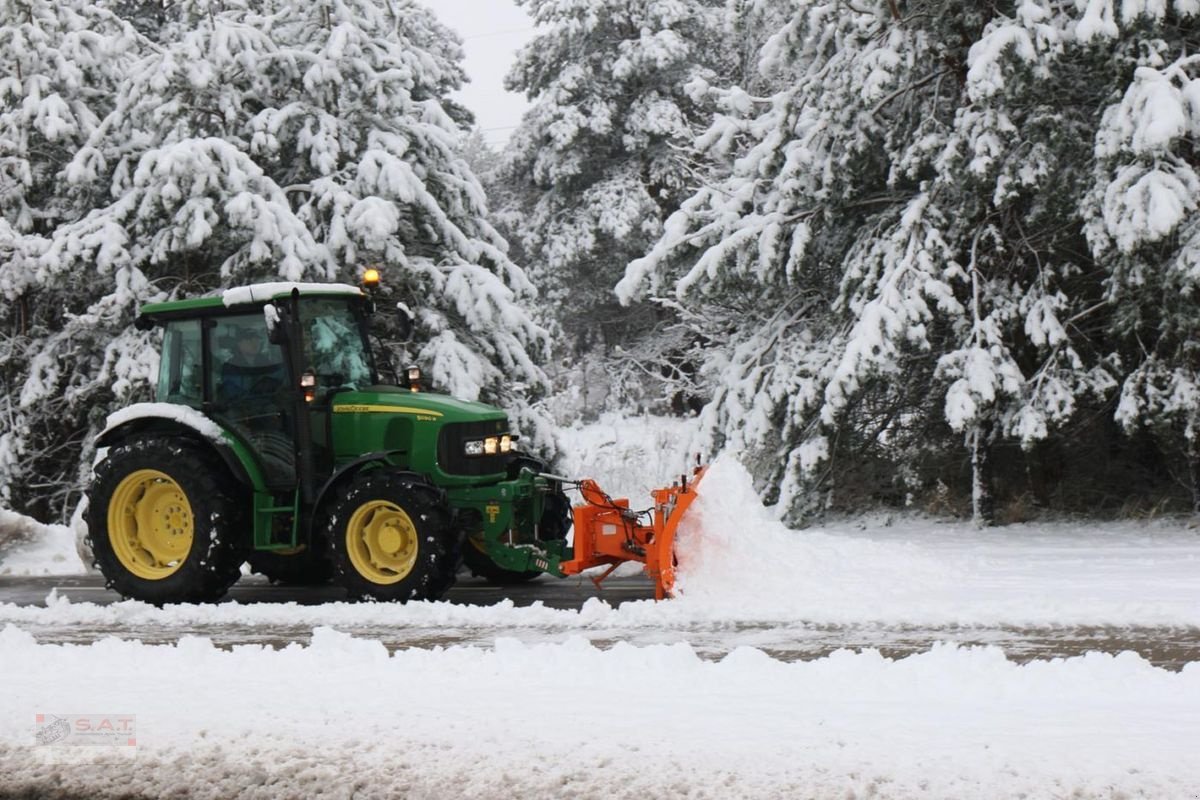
x,y
150,524
381,541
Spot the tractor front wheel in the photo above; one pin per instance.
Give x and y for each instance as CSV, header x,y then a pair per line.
x,y
163,521
390,538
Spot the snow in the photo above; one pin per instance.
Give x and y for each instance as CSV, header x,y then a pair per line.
x,y
259,292
629,456
737,561
184,415
28,547
536,721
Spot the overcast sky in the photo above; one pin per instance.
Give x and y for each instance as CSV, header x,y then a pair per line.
x,y
492,31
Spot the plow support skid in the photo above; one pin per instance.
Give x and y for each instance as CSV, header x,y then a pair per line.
x,y
608,533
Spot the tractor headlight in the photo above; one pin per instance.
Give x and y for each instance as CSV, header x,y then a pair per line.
x,y
489,446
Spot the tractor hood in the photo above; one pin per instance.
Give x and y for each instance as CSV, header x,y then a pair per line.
x,y
425,406
431,431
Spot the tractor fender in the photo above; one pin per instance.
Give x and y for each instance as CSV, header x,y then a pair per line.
x,y
379,458
235,455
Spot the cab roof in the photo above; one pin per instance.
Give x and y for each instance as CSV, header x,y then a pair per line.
x,y
254,294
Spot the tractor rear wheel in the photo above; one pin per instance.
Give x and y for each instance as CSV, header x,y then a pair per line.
x,y
391,538
164,516
554,525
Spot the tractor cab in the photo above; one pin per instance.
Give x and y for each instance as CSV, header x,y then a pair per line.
x,y
262,359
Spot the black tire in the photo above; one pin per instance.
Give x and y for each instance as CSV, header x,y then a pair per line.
x,y
555,523
302,568
420,567
210,563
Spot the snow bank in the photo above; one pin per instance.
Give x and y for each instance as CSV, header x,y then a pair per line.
x,y
738,562
570,720
27,547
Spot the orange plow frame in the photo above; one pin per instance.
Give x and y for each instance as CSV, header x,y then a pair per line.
x,y
608,533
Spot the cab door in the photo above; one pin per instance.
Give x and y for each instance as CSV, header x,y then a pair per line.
x,y
249,392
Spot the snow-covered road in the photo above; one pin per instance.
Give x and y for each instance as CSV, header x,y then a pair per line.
x,y
546,611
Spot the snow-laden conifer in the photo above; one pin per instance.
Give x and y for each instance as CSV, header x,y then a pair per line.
x,y
59,77
599,161
1143,222
900,232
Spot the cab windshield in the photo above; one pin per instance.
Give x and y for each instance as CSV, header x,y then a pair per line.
x,y
335,347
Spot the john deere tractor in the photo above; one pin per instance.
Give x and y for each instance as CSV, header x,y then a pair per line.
x,y
273,440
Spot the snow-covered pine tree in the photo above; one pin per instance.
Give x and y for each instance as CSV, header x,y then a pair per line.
x,y
63,63
599,160
266,140
901,236
1143,222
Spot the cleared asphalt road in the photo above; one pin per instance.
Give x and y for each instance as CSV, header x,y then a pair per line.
x,y
1170,648
555,593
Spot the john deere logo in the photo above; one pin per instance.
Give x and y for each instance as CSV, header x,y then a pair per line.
x,y
422,414
493,511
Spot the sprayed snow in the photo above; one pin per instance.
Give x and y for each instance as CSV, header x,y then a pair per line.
x,y
184,415
628,456
952,722
260,292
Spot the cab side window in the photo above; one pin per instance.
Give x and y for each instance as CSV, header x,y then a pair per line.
x,y
247,368
180,373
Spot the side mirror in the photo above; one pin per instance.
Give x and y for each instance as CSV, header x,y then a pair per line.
x,y
404,319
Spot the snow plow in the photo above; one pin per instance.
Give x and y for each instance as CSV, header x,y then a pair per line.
x,y
608,534
273,440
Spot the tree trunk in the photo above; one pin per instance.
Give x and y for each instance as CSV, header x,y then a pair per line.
x,y
1193,459
983,506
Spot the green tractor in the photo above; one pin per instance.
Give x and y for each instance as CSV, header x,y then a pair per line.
x,y
273,440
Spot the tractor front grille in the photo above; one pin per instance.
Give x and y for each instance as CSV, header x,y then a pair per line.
x,y
450,448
